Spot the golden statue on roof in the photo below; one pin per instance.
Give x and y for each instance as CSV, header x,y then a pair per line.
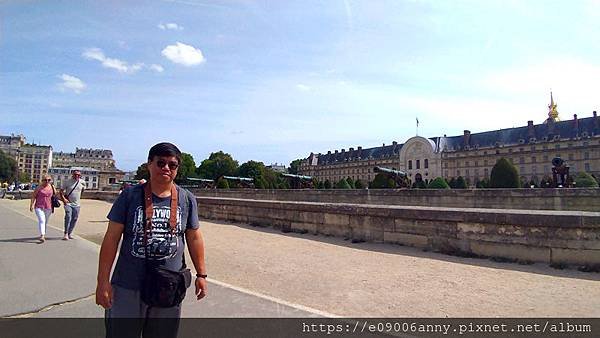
x,y
552,112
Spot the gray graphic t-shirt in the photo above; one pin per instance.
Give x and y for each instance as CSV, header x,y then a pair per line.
x,y
164,247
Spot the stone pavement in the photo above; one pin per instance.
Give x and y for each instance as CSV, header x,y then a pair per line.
x,y
57,279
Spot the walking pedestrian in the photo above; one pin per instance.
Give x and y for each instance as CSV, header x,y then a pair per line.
x,y
42,205
70,192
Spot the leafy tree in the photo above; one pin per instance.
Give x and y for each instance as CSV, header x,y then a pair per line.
x,y
319,185
585,180
218,164
382,181
222,183
483,184
187,167
8,168
452,183
460,183
350,182
327,184
24,177
142,172
438,183
343,184
419,185
504,175
295,166
359,184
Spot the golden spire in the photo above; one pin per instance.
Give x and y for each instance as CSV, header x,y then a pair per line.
x,y
552,112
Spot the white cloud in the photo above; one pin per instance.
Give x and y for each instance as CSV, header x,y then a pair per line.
x,y
119,65
303,87
183,54
171,26
71,83
157,68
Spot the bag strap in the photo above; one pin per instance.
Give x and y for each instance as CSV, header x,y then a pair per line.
x,y
69,194
53,190
149,212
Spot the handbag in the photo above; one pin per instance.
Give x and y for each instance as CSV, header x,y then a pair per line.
x,y
162,287
54,199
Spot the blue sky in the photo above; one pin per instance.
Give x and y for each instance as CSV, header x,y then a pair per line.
x,y
275,80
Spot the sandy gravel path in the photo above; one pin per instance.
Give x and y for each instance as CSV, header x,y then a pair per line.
x,y
373,280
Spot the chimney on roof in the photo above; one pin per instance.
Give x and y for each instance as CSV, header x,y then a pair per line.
x,y
351,149
336,152
359,148
530,130
576,124
343,150
329,152
467,137
383,145
394,143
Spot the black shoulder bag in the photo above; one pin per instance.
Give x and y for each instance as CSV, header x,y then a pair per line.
x,y
162,287
54,199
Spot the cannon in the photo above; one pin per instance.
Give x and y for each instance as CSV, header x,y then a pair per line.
x,y
299,181
201,183
399,176
241,182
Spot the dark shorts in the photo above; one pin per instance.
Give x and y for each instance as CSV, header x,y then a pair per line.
x,y
129,316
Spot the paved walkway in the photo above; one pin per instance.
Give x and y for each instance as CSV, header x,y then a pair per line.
x,y
324,273
58,278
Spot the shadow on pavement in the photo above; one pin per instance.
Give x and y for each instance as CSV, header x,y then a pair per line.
x,y
397,249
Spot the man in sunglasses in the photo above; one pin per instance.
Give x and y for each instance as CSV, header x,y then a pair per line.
x,y
70,193
159,242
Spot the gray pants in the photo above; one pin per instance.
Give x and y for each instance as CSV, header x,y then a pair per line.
x,y
71,216
129,316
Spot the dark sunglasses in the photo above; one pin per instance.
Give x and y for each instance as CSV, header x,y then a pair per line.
x,y
47,180
172,165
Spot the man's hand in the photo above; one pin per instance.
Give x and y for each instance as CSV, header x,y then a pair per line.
x,y
31,208
104,294
200,288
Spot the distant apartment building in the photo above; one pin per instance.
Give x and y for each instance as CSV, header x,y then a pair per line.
x,y
32,160
98,159
530,148
89,175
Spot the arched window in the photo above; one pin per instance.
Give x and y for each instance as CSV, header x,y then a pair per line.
x,y
409,164
426,163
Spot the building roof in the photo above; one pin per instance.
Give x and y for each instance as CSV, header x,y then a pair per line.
x,y
548,131
529,134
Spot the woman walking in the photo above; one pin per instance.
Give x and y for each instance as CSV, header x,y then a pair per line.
x,y
41,201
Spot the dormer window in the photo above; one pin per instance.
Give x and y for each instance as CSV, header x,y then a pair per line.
x,y
521,141
532,140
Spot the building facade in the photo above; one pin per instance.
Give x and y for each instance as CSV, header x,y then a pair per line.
x,y
32,160
530,148
89,175
98,159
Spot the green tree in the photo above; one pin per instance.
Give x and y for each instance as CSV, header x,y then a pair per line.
x,y
8,168
460,183
327,184
252,169
504,175
351,182
343,184
382,181
294,167
452,183
359,184
216,165
419,185
187,167
222,183
438,183
142,172
24,177
585,180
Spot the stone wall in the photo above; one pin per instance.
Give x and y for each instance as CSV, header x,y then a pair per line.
x,y
554,237
581,199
